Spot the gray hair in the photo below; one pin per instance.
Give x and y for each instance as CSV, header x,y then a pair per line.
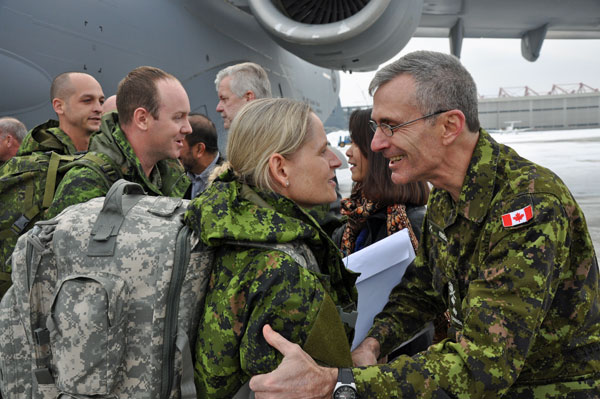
x,y
441,83
262,128
14,127
246,76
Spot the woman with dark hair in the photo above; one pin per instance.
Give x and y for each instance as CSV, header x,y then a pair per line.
x,y
377,207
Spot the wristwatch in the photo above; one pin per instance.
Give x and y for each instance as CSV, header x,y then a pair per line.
x,y
345,387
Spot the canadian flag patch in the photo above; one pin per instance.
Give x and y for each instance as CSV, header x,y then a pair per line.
x,y
517,217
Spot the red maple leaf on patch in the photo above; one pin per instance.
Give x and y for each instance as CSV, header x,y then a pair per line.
x,y
518,217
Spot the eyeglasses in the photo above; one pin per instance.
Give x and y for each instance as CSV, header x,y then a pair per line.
x,y
389,130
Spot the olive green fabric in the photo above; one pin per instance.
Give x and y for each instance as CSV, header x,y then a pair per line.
x,y
524,300
27,183
251,287
47,137
82,183
326,342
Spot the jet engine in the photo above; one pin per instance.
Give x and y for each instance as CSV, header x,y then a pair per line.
x,y
355,35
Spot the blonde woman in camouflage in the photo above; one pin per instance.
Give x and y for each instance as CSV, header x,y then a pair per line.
x,y
274,264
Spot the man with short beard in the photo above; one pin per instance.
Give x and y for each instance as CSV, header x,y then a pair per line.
x,y
77,99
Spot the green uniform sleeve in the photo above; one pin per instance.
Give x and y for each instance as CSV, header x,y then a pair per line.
x,y
397,322
249,289
79,184
506,302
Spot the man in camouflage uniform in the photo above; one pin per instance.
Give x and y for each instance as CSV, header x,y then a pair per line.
x,y
505,249
77,99
142,142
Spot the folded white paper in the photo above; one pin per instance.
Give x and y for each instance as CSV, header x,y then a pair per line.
x,y
382,266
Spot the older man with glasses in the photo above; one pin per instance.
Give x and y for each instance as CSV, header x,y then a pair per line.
x,y
505,251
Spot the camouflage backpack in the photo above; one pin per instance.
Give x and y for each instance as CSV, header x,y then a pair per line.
x,y
106,300
27,185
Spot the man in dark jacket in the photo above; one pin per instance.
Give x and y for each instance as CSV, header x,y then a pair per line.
x,y
200,153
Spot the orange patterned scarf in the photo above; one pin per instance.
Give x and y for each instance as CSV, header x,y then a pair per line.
x,y
358,209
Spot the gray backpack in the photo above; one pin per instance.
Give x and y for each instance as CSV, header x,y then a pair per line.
x,y
105,301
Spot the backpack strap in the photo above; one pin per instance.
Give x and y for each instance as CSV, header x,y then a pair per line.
x,y
300,252
53,164
103,165
31,209
116,205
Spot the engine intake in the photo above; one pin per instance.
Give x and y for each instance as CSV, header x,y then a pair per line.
x,y
340,34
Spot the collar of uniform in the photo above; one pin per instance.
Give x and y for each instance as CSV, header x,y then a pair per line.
x,y
64,139
477,189
154,181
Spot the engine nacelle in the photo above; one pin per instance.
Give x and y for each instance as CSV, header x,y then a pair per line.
x,y
353,37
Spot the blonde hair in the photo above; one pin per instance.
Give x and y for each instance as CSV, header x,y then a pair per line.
x,y
262,128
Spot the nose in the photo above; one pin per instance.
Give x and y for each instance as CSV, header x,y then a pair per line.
x,y
380,141
97,106
349,151
187,128
220,106
334,161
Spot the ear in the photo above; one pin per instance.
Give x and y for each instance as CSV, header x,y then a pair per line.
x,y
58,106
454,123
249,96
198,149
278,169
141,118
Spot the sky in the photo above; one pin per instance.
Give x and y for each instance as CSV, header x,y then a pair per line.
x,y
496,63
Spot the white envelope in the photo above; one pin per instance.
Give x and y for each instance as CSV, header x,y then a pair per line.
x,y
382,266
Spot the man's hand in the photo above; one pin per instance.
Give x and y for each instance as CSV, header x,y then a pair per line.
x,y
366,353
298,376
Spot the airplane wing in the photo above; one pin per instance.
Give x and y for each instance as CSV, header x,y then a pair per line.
x,y
359,35
301,43
532,21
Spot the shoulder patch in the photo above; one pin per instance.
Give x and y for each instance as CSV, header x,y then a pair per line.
x,y
517,217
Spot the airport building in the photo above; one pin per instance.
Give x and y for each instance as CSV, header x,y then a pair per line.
x,y
562,108
559,109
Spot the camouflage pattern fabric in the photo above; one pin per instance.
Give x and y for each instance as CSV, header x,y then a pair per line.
x,y
79,323
47,137
23,184
82,183
523,300
250,287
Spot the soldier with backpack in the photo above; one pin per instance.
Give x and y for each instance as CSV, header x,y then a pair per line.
x,y
141,143
77,99
27,181
279,167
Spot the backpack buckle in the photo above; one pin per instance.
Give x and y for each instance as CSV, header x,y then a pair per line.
x,y
43,376
19,225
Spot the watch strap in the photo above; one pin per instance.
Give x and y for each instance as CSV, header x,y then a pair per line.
x,y
345,376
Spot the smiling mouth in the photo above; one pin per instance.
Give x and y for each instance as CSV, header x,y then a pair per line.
x,y
397,158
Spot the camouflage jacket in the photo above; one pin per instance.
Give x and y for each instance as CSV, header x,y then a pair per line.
x,y
523,299
82,183
250,287
47,137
